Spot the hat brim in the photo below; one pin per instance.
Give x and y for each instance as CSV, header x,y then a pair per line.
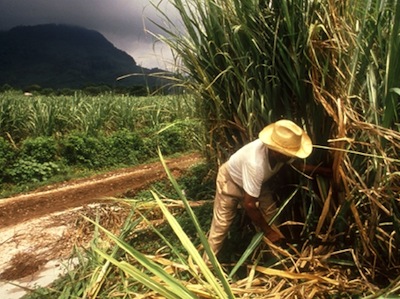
x,y
303,152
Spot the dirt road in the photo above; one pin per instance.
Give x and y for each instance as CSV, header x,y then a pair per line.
x,y
72,194
39,229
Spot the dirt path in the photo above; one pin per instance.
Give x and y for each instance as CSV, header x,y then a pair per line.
x,y
39,230
72,194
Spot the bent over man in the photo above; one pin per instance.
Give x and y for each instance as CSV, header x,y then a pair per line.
x,y
241,179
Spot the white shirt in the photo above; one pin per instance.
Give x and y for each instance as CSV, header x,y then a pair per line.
x,y
249,167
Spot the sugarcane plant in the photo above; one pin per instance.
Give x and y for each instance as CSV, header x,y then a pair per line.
x,y
330,66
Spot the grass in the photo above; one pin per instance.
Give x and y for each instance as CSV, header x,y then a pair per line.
x,y
40,115
47,139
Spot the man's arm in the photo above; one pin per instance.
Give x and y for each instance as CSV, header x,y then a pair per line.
x,y
312,169
250,206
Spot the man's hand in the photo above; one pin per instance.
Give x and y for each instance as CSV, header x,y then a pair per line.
x,y
249,204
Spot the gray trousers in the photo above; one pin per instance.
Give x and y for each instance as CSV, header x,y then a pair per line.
x,y
228,197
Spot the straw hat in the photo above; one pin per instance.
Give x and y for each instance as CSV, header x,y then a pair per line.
x,y
286,137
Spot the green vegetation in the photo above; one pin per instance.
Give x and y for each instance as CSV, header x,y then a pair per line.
x,y
22,117
48,138
331,66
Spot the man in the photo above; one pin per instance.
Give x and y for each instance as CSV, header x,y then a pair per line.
x,y
240,180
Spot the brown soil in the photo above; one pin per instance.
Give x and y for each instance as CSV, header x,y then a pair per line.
x,y
45,224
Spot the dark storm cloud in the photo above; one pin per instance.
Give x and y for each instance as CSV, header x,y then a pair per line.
x,y
123,22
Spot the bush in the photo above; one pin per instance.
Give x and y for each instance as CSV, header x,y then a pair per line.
x,y
7,156
28,170
40,149
121,148
40,158
124,147
175,138
81,149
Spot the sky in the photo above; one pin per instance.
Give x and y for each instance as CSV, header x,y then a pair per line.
x,y
123,22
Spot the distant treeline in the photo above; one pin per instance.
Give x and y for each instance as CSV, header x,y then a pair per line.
x,y
92,90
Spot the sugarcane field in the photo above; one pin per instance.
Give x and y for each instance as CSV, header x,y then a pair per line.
x,y
262,163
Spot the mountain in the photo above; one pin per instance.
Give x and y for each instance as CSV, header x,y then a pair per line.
x,y
63,56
